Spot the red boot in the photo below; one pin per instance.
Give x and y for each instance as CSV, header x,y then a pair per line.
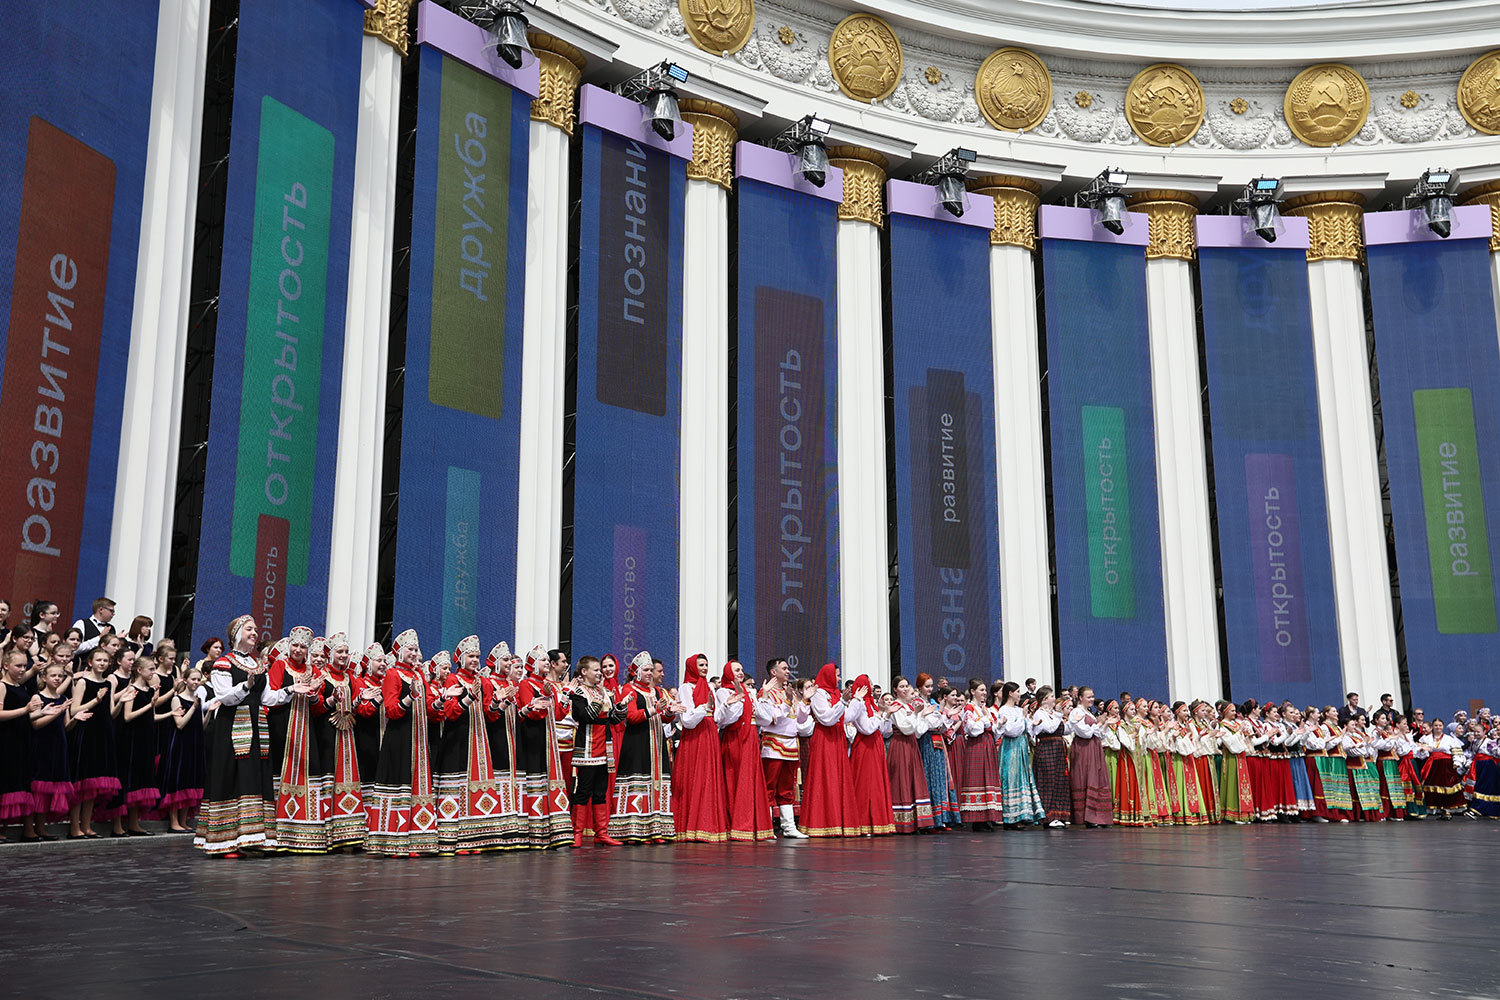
x,y
579,822
601,825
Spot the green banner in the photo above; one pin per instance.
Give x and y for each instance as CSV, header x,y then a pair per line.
x,y
278,438
1107,489
1458,545
467,358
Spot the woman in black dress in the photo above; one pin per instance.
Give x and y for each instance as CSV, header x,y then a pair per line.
x,y
52,789
183,764
16,802
404,817
137,744
368,721
238,806
93,744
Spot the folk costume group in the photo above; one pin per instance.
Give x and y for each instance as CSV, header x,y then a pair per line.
x,y
310,751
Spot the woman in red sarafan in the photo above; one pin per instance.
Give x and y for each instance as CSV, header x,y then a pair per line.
x,y
739,750
873,815
700,810
828,808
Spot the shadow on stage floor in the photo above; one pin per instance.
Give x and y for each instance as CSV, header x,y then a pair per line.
x,y
1321,911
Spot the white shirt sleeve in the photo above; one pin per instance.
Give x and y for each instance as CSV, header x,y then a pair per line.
x,y
725,714
768,712
974,724
906,722
692,714
864,722
226,690
825,710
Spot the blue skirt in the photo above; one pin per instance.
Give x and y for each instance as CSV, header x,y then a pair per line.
x,y
1019,798
944,803
1302,785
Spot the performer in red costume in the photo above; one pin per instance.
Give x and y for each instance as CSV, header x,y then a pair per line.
x,y
405,813
872,815
593,712
828,808
739,750
543,786
700,809
642,811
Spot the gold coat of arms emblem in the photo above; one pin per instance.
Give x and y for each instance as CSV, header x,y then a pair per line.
x,y
1014,89
1326,104
1164,104
718,26
1479,93
865,57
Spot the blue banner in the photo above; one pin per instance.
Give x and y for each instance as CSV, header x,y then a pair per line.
x,y
948,549
278,354
461,409
1435,342
1279,612
787,428
1111,629
76,79
625,492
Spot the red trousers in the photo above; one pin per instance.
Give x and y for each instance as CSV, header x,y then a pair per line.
x,y
781,780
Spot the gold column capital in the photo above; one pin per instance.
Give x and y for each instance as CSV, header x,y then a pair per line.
x,y
864,183
715,129
1333,223
1016,201
1171,215
561,68
1487,194
388,20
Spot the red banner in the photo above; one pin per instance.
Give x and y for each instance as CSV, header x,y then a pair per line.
x,y
271,537
52,360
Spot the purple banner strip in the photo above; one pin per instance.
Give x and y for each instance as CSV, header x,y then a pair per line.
x,y
1232,231
1471,222
921,201
613,113
1059,222
464,40
629,621
1276,555
772,166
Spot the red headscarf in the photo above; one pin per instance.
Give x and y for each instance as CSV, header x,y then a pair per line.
x,y
611,681
729,684
828,680
863,681
702,695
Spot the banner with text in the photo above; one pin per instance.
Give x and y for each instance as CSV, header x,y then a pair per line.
x,y
948,549
1111,630
1280,620
787,425
76,80
625,488
461,410
1435,342
278,354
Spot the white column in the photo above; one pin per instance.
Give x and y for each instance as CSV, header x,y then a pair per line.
x,y
146,481
1025,583
544,352
1356,520
355,537
865,626
1189,598
703,538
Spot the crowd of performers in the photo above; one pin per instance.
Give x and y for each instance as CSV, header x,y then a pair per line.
x,y
301,747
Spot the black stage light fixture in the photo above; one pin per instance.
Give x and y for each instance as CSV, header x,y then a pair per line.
x,y
948,174
1106,196
805,140
505,26
655,90
1433,194
1261,206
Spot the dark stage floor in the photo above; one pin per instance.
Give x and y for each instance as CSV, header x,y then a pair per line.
x,y
1383,911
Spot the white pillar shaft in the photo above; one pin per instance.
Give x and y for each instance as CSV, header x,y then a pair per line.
x,y
865,628
1187,557
1356,521
703,557
146,481
355,536
543,371
1495,282
1025,588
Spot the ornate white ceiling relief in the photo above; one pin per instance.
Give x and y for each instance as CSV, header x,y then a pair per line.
x,y
1405,103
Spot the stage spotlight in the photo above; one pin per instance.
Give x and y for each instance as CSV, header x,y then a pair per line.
x,y
1261,207
505,26
1433,194
948,175
1106,196
656,90
805,139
